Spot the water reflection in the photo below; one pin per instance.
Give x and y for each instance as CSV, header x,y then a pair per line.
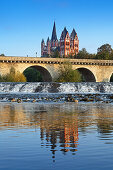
x,y
59,131
60,125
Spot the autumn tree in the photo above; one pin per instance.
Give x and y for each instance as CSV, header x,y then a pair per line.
x,y
13,76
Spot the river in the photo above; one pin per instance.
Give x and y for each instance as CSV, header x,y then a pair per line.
x,y
47,136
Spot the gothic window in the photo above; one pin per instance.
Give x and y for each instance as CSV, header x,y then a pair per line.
x,y
67,43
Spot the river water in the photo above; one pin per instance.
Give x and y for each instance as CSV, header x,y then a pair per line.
x,y
39,136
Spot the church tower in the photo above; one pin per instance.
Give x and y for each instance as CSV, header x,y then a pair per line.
x,y
74,43
54,40
42,47
48,46
65,43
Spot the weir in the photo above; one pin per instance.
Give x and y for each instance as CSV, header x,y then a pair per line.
x,y
53,87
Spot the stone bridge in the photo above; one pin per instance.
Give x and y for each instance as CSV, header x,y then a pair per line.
x,y
92,70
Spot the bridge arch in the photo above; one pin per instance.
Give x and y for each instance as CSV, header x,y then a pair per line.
x,y
111,77
46,76
88,76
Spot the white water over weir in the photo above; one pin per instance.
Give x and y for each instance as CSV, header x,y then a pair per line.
x,y
52,87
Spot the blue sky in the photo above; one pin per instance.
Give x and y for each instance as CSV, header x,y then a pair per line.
x,y
23,23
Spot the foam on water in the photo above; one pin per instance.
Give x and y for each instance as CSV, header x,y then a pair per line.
x,y
45,87
29,87
67,88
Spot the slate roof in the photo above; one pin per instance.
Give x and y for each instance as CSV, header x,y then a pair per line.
x,y
54,36
42,41
64,33
48,39
73,34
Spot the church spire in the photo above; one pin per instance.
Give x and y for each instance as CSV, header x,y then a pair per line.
x,y
54,36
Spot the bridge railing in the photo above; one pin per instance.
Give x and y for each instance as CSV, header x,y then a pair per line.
x,y
14,59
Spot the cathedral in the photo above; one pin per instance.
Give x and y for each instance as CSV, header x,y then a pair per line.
x,y
67,45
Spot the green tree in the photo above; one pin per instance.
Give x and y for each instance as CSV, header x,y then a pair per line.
x,y
111,55
1,79
56,54
83,54
103,56
104,52
75,56
32,75
104,48
67,74
2,55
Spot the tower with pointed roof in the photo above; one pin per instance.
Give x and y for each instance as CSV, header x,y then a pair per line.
x,y
74,43
42,47
54,40
65,43
48,46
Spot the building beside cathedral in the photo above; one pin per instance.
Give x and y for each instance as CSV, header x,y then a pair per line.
x,y
67,45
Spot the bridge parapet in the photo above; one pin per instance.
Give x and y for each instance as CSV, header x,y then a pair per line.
x,y
41,60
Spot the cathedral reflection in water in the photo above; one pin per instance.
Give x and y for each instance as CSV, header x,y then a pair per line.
x,y
58,124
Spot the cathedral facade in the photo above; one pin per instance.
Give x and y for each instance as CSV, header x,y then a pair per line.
x,y
67,45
